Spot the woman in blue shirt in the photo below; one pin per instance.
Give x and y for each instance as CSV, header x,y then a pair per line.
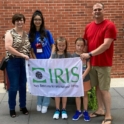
x,y
42,45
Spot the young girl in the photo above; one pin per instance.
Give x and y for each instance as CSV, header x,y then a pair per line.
x,y
80,48
61,52
42,44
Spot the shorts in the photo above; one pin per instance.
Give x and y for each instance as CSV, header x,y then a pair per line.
x,y
100,76
87,85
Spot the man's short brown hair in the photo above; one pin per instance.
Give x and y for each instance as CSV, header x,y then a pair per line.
x,y
18,17
100,4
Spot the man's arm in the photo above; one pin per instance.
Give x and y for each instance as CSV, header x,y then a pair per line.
x,y
102,48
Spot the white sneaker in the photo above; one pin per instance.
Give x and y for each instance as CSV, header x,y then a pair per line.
x,y
44,109
56,114
64,114
38,108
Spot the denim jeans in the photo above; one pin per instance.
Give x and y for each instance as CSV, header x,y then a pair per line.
x,y
17,77
43,101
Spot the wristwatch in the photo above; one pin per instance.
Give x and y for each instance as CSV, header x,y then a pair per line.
x,y
90,54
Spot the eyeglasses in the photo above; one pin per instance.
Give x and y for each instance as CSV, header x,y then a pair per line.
x,y
19,20
97,9
37,20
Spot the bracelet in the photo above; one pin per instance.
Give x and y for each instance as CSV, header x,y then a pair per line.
x,y
90,54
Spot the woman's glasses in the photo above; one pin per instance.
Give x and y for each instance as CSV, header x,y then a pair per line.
x,y
37,20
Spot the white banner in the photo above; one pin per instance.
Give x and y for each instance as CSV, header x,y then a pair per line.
x,y
55,77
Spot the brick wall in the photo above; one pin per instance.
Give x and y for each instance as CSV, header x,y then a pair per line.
x,y
66,18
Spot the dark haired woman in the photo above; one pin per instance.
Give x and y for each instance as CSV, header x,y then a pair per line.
x,y
42,45
17,48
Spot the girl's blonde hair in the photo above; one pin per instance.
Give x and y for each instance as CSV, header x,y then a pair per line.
x,y
61,39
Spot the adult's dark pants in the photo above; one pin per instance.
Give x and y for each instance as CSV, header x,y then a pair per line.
x,y
17,78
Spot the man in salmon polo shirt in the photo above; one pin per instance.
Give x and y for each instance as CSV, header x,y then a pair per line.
x,y
100,36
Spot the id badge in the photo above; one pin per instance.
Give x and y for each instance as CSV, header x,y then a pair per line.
x,y
39,50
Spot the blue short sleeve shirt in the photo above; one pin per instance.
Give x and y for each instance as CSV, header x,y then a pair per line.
x,y
46,45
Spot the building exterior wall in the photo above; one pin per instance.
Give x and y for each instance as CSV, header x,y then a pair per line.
x,y
66,18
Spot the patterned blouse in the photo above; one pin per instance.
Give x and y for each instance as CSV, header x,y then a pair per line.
x,y
20,43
